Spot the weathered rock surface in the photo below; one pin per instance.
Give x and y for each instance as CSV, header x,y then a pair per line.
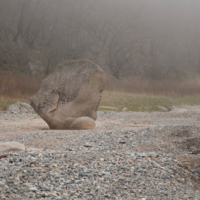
x,y
72,91
19,107
11,146
16,146
83,123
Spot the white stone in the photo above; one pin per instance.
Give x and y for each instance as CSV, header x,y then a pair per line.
x,y
107,174
13,108
19,107
23,110
108,107
170,107
34,189
25,105
11,146
33,149
162,109
2,183
179,110
124,109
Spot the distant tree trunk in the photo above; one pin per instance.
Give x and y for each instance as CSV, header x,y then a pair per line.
x,y
20,23
198,63
53,54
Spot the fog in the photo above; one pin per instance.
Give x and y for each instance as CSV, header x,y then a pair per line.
x,y
154,39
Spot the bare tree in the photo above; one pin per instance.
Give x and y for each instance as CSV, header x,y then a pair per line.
x,y
159,37
116,35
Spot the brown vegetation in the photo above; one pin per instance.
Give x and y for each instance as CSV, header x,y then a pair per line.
x,y
23,86
138,85
136,94
18,85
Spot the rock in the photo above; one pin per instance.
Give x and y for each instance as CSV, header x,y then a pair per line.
x,y
170,107
33,149
25,105
33,189
108,107
179,110
72,91
19,107
124,109
83,123
11,146
162,109
35,67
13,108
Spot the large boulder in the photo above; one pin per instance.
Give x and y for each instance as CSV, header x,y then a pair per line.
x,y
72,91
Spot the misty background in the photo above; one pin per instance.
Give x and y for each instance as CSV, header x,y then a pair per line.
x,y
152,39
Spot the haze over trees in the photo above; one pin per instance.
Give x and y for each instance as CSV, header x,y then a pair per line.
x,y
153,39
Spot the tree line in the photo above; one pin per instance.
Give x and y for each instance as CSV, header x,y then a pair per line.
x,y
154,39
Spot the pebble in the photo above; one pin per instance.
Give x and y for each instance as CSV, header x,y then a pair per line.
x,y
107,170
34,189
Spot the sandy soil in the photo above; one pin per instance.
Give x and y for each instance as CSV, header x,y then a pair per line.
x,y
180,138
12,126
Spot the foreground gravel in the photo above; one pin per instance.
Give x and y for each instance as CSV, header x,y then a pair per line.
x,y
161,161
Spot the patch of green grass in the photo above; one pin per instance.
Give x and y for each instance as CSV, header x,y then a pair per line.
x,y
134,102
6,101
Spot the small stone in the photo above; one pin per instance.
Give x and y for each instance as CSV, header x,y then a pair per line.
x,y
33,189
161,108
124,109
170,107
11,146
53,194
33,149
107,174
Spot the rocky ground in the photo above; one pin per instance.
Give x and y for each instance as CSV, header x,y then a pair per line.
x,y
131,155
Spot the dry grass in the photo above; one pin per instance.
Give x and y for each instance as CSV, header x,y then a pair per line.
x,y
144,102
18,85
137,85
136,94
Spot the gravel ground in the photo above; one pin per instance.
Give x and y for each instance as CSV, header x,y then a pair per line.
x,y
131,155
